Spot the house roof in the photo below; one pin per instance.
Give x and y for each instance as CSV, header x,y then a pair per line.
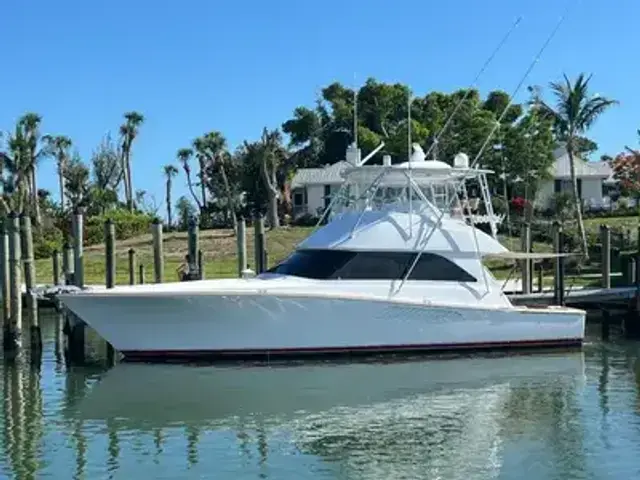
x,y
561,167
327,175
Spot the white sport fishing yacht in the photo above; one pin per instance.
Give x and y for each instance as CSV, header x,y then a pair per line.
x,y
398,266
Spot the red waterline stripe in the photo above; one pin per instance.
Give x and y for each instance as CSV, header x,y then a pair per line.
x,y
563,342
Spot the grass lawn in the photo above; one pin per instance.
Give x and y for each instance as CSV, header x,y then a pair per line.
x,y
219,250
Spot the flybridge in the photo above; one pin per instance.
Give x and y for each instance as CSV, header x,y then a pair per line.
x,y
417,186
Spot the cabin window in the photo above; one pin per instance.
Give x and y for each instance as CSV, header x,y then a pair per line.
x,y
315,264
440,269
333,264
375,266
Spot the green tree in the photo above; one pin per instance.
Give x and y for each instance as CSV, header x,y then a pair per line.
x,y
574,113
211,149
77,185
186,212
29,123
169,172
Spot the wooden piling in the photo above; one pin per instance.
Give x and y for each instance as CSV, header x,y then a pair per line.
x,y
12,340
110,253
242,246
110,271
68,269
193,247
31,300
200,265
525,265
540,277
142,279
605,240
558,277
78,253
158,257
259,243
4,272
55,260
132,266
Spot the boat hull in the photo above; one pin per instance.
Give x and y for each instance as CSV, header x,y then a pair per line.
x,y
181,326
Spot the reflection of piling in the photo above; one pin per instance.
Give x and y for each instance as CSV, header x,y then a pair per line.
x,y
193,437
78,253
4,273
35,333
242,246
158,267
132,266
33,421
12,340
110,273
113,446
14,416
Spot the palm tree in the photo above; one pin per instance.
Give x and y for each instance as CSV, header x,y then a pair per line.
x,y
199,147
59,147
184,156
29,123
575,112
129,131
169,172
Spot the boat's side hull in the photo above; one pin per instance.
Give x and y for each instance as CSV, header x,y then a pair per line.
x,y
198,325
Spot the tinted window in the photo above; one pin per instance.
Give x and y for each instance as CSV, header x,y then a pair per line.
x,y
435,267
333,264
375,266
317,264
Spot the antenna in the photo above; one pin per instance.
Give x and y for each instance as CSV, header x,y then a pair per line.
x,y
477,157
355,111
410,179
409,100
473,84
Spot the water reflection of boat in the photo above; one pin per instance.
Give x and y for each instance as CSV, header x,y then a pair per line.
x,y
153,396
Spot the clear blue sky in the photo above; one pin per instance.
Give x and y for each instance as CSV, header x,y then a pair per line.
x,y
198,65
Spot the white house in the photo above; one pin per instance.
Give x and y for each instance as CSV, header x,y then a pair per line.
x,y
595,179
311,188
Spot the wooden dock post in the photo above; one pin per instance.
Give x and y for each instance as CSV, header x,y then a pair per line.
x,y
142,279
525,265
259,243
540,277
78,253
4,273
193,247
558,277
28,260
158,257
110,253
12,339
68,269
242,246
200,265
110,271
55,260
605,239
132,266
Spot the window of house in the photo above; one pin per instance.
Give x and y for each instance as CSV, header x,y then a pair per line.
x,y
327,196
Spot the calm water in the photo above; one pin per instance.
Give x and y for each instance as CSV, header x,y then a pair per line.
x,y
549,416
